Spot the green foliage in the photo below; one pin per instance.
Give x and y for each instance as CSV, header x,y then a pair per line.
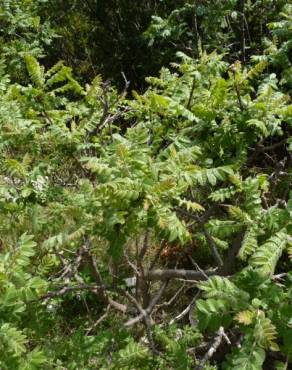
x,y
93,180
18,287
267,255
22,32
259,312
139,39
249,243
280,48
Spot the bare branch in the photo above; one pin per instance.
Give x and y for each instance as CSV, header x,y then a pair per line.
x,y
102,317
228,265
178,274
157,297
145,245
272,147
72,268
217,341
145,316
210,241
142,284
127,84
184,312
201,222
191,93
237,89
102,289
68,289
131,264
149,309
242,30
98,278
173,298
198,267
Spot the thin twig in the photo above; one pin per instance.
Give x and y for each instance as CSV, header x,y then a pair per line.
x,y
229,262
102,317
127,84
217,341
212,246
131,264
145,316
68,289
237,88
149,309
198,267
184,312
173,298
201,222
192,311
101,290
191,93
242,29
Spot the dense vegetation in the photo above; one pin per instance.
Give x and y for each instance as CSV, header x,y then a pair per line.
x,y
145,222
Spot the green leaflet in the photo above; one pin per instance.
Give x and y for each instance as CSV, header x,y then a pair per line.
x,y
247,358
249,243
89,174
267,255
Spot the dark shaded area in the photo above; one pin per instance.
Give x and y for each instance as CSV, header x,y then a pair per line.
x,y
138,38
105,37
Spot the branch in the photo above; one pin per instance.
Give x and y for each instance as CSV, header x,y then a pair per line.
x,y
273,146
149,309
72,267
102,317
98,279
228,265
213,246
107,118
178,274
127,84
157,297
145,246
110,119
191,93
210,240
173,298
68,289
144,314
198,267
217,341
242,29
102,289
106,108
142,285
237,89
185,311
